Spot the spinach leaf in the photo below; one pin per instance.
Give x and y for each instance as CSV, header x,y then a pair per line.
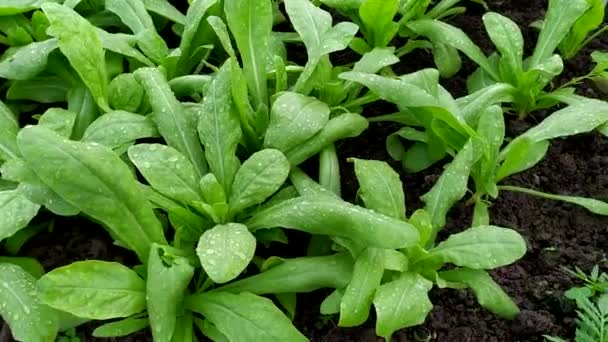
x,y
174,124
250,22
402,303
225,251
119,128
167,171
27,317
323,215
94,289
314,26
259,177
219,129
93,179
80,43
166,286
22,63
381,189
245,317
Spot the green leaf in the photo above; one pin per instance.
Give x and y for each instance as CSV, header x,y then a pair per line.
x,y
329,169
165,9
94,289
121,328
489,294
581,117
298,275
294,118
245,317
323,215
59,120
481,247
358,296
340,127
174,124
377,17
80,43
24,62
122,44
314,26
402,303
560,17
250,22
166,286
520,156
380,187
125,93
32,187
451,186
225,251
117,129
8,133
440,32
507,37
259,177
167,171
593,205
93,179
376,60
16,211
27,317
331,304
44,89
219,128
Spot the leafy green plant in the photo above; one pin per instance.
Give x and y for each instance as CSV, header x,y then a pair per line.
x,y
530,76
592,302
395,281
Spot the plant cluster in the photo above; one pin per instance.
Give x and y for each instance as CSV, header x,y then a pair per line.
x,y
182,134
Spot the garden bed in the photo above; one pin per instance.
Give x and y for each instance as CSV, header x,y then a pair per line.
x,y
558,235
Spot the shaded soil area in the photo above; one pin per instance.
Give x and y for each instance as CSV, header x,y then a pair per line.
x,y
557,234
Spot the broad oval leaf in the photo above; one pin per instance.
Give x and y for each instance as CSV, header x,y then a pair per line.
x,y
16,211
94,289
402,303
125,93
225,251
116,129
167,171
168,279
259,177
481,247
95,180
507,37
294,118
324,215
380,187
245,317
27,317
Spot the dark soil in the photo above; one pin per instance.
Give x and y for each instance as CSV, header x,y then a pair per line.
x,y
557,234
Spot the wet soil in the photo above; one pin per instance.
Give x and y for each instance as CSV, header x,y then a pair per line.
x,y
558,234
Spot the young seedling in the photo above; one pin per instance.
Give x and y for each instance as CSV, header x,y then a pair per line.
x,y
530,76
